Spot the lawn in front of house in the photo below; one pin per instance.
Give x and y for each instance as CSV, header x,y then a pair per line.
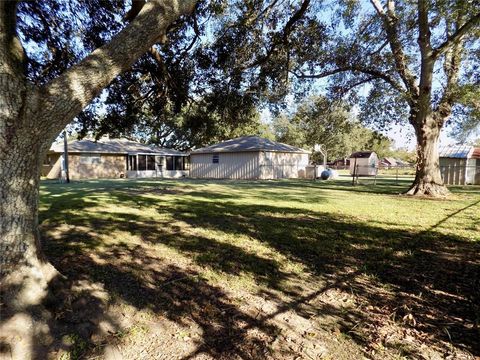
x,y
262,269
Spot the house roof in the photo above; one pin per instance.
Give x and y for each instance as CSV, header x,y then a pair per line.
x,y
362,154
391,160
457,152
112,146
249,143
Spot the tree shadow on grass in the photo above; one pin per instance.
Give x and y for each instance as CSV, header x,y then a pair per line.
x,y
430,276
433,279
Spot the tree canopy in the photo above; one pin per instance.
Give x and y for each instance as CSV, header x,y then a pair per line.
x,y
332,124
175,95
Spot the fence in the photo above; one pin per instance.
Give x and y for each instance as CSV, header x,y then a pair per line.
x,y
381,175
451,174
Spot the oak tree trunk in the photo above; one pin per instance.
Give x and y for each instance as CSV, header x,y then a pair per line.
x,y
25,274
19,189
428,179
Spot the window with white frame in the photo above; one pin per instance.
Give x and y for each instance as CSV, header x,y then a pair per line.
x,y
215,159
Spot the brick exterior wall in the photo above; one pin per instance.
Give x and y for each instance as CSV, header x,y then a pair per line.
x,y
109,166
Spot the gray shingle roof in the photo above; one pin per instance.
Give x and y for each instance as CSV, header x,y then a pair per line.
x,y
458,152
249,143
112,146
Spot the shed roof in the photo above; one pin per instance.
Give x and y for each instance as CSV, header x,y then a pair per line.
x,y
457,151
249,143
113,146
362,154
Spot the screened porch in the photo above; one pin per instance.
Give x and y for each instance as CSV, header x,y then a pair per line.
x,y
157,165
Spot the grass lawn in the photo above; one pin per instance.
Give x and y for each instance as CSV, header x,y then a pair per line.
x,y
192,269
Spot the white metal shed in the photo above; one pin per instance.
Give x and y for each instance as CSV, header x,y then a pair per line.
x,y
249,157
460,165
364,163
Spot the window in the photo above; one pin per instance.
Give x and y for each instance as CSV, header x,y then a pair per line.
x,y
178,162
215,159
89,159
170,163
132,162
186,163
150,162
47,160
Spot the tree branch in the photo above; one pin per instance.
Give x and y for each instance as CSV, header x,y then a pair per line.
x,y
288,28
390,22
424,30
452,69
196,31
427,63
137,6
456,37
12,55
69,93
378,7
355,68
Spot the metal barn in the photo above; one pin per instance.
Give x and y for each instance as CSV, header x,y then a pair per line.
x,y
460,165
249,157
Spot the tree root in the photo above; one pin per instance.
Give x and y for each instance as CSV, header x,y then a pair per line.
x,y
429,189
24,320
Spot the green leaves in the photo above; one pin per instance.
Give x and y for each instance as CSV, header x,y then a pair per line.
x,y
319,120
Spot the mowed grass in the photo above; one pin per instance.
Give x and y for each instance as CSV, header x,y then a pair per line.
x,y
264,269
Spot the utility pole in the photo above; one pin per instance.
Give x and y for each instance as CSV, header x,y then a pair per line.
x,y
65,156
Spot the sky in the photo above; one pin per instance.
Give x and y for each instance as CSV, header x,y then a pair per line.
x,y
403,137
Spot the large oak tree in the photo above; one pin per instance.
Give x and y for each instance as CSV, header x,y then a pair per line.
x,y
31,116
417,60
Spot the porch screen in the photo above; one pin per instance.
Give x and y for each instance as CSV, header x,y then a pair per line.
x,y
150,162
170,163
142,162
179,163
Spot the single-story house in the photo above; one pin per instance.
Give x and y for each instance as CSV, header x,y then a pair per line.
x,y
364,163
114,158
389,162
460,165
392,162
249,157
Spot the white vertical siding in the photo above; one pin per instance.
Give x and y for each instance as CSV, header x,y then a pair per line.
x,y
241,165
472,173
453,171
365,166
281,165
